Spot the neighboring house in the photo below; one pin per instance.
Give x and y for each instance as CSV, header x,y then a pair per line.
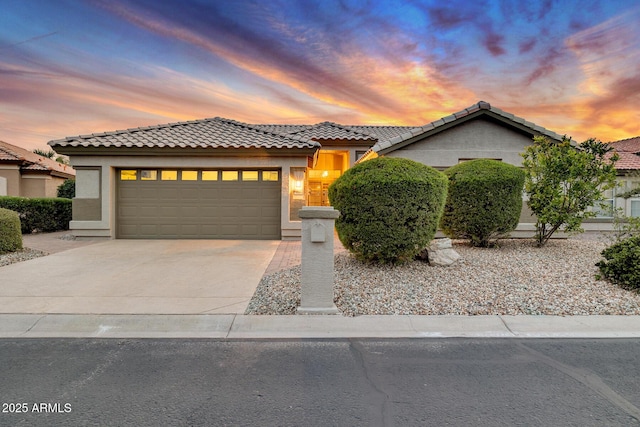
x,y
26,174
628,167
219,178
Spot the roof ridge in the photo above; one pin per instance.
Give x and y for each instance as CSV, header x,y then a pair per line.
x,y
254,127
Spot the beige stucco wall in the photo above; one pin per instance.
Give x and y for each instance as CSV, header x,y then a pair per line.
x,y
476,139
12,175
39,185
104,184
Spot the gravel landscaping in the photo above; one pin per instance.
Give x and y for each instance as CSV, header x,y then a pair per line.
x,y
516,278
19,256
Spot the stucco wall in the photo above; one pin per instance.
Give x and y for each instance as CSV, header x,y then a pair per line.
x,y
480,138
12,175
104,184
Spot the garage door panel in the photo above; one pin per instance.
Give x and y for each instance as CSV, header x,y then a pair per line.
x,y
198,209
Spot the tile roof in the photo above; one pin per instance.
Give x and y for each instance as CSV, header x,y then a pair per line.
x,y
206,133
29,160
320,130
333,131
472,110
629,152
631,145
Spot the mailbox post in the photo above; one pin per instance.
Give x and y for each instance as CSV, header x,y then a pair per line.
x,y
317,260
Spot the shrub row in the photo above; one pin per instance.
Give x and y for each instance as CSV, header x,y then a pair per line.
x,y
39,214
10,235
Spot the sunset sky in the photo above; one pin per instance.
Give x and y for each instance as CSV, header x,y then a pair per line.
x,y
76,67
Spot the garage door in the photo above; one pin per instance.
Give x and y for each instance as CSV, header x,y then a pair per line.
x,y
198,204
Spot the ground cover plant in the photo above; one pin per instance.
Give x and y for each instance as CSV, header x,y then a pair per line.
x,y
389,208
484,201
621,264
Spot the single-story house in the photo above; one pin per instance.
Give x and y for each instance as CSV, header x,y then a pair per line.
x,y
219,178
27,174
628,167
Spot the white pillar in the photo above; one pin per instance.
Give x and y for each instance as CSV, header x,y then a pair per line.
x,y
317,260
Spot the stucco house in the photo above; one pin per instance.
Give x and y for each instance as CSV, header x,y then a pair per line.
x,y
219,178
26,174
628,167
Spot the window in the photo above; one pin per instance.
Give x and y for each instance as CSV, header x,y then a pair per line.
x,y
635,209
209,175
606,207
128,175
148,175
269,175
249,175
169,175
229,175
189,175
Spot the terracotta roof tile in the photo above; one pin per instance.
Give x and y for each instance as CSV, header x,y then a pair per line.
x,y
631,145
29,160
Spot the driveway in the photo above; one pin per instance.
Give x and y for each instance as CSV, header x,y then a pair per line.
x,y
139,277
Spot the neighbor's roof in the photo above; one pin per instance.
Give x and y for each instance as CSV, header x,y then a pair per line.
x,y
481,108
629,152
206,133
31,161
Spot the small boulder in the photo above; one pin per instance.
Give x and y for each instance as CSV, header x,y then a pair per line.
x,y
440,252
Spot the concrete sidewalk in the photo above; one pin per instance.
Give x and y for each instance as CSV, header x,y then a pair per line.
x,y
235,326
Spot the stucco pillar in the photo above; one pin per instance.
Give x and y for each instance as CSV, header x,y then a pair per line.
x,y
317,260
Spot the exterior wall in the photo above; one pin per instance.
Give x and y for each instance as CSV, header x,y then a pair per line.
x,y
475,139
39,185
97,185
12,175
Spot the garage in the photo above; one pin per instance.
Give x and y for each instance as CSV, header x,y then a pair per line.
x,y
198,203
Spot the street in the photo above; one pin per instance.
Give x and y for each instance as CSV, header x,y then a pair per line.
x,y
341,382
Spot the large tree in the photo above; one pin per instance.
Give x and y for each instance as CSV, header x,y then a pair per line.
x,y
563,181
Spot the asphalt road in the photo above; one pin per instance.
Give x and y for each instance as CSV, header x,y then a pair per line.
x,y
439,382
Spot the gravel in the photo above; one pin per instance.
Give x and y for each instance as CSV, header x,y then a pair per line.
x,y
516,278
21,255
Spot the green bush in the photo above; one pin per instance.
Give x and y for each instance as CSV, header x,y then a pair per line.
x,y
67,189
389,208
484,201
622,263
10,235
39,214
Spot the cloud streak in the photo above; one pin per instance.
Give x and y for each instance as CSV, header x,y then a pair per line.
x,y
130,63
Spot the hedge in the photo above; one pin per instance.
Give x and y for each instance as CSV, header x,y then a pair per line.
x,y
484,201
39,214
389,208
10,235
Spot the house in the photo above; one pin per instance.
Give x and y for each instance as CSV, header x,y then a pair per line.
x,y
26,174
628,167
219,178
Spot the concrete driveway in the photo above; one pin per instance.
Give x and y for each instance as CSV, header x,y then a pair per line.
x,y
139,277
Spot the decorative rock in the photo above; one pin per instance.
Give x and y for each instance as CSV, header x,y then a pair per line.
x,y
440,252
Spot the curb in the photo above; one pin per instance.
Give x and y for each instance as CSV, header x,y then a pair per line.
x,y
236,326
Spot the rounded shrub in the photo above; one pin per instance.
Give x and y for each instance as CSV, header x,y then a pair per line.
x,y
10,234
484,201
389,208
621,264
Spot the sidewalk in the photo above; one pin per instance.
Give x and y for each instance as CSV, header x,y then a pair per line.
x,y
238,326
235,326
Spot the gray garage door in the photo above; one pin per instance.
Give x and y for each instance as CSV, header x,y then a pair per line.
x,y
198,204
